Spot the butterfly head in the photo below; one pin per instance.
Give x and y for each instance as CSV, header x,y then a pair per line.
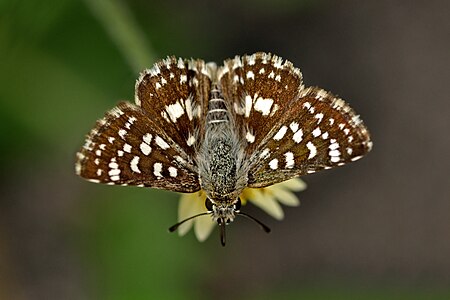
x,y
223,212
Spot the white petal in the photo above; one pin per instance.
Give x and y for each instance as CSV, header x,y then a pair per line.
x,y
189,205
294,184
286,197
203,227
267,203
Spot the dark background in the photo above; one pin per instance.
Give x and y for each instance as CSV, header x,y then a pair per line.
x,y
376,229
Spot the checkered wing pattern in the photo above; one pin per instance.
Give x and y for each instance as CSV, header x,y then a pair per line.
x,y
290,130
128,148
287,130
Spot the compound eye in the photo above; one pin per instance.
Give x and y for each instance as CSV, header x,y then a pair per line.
x,y
237,205
209,204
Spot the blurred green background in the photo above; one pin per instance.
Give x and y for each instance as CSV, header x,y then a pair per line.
x,y
378,229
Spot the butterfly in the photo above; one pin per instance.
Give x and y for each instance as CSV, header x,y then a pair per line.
x,y
197,126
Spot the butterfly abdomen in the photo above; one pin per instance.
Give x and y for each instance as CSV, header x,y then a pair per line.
x,y
217,109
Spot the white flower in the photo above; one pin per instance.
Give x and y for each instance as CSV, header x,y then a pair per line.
x,y
268,199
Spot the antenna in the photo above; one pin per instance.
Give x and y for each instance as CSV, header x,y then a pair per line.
x,y
175,227
222,224
263,226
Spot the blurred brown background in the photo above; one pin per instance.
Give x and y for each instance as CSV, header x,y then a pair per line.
x,y
376,229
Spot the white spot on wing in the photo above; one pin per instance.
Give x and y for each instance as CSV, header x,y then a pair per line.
x,y
250,75
263,105
127,148
335,159
273,164
113,165
319,117
334,145
161,143
114,172
122,133
294,126
147,138
334,153
312,150
298,136
114,178
134,164
173,172
145,148
316,132
157,168
280,134
289,160
175,111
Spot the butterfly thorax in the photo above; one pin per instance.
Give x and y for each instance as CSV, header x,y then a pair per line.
x,y
222,170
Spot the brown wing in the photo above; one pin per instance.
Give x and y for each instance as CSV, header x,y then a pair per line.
x,y
259,88
128,148
319,131
174,95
